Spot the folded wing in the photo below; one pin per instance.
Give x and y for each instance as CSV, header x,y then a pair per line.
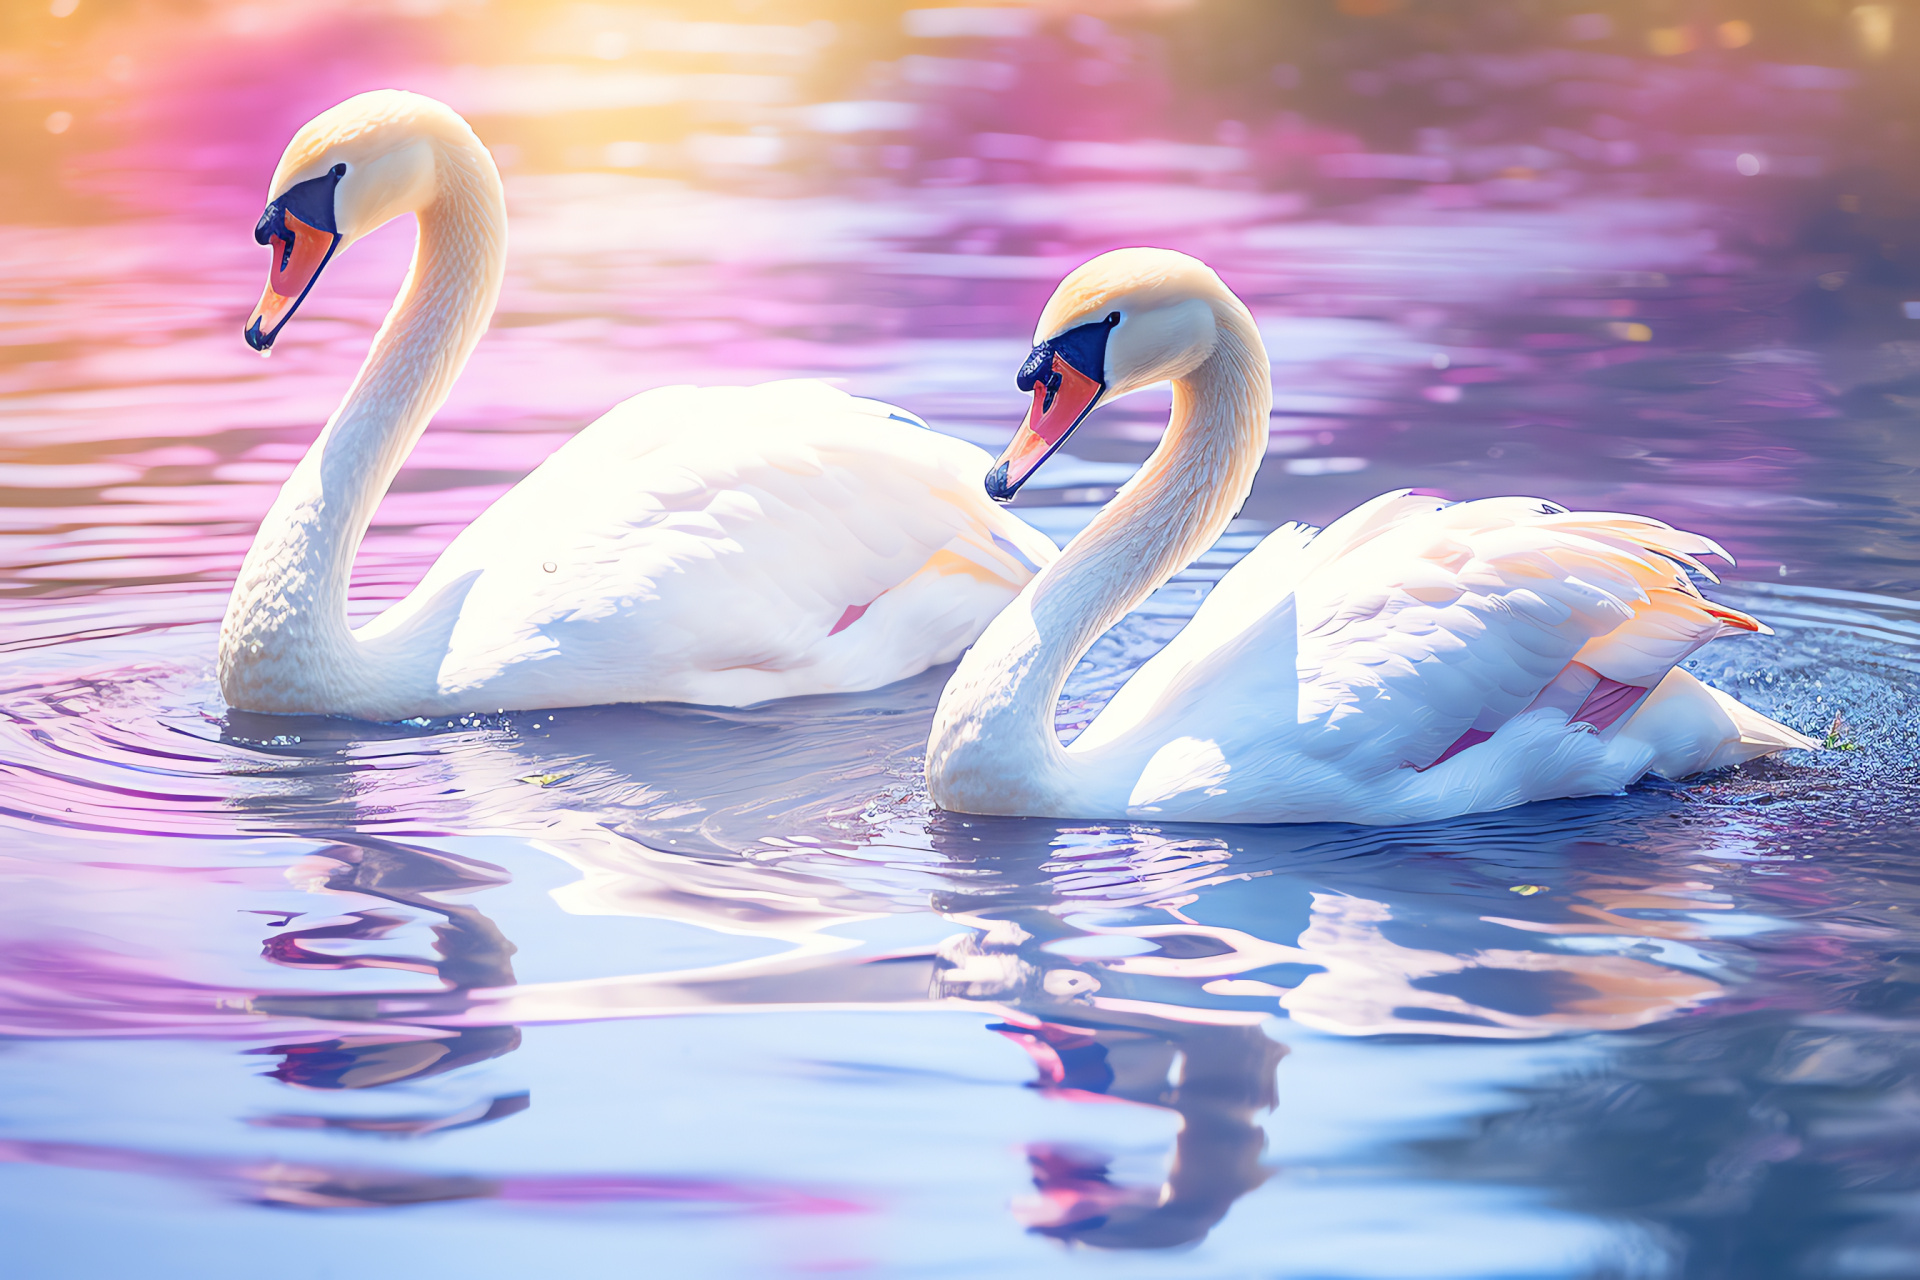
x,y
715,530
1412,629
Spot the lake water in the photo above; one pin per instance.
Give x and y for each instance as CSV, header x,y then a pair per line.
x,y
666,990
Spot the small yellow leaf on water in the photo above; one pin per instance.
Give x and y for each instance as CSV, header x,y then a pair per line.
x,y
1526,890
545,779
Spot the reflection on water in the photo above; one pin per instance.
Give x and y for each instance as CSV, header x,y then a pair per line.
x,y
296,1186
1165,968
720,986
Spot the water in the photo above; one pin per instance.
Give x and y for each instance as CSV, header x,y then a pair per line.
x,y
607,990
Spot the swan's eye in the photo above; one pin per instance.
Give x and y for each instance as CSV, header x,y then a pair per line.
x,y
340,171
1113,317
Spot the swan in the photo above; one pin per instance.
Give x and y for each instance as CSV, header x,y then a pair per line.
x,y
722,546
1415,660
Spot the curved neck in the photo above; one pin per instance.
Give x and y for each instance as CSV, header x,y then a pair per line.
x,y
994,748
286,632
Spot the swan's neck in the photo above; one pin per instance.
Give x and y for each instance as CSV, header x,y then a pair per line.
x,y
285,644
993,747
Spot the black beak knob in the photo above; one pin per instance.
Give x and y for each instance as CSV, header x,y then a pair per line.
x,y
997,487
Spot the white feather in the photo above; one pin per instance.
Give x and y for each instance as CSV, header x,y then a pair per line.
x,y
703,544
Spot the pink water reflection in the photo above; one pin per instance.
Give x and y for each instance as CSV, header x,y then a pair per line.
x,y
293,1185
918,184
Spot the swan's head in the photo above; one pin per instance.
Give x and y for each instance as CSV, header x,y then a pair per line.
x,y
349,171
1124,321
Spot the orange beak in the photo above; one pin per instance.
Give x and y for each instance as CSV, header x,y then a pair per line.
x,y
1056,410
298,254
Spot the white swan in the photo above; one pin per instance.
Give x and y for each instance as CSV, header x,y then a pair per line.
x,y
1416,660
720,546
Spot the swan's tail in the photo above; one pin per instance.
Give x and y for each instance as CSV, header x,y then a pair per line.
x,y
1689,728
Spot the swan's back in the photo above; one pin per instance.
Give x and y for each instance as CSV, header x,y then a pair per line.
x,y
703,544
1409,632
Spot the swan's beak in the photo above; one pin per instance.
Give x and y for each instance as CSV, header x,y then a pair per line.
x,y
299,228
297,259
1062,398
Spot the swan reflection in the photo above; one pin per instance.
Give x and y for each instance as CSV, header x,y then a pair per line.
x,y
469,952
1143,965
1154,967
1218,1080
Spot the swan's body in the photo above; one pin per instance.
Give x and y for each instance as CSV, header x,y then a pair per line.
x,y
1416,660
721,546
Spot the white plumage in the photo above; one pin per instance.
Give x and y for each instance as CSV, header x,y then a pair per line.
x,y
1328,675
702,545
1414,661
723,545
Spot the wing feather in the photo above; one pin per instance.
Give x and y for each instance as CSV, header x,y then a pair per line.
x,y
1410,622
713,530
